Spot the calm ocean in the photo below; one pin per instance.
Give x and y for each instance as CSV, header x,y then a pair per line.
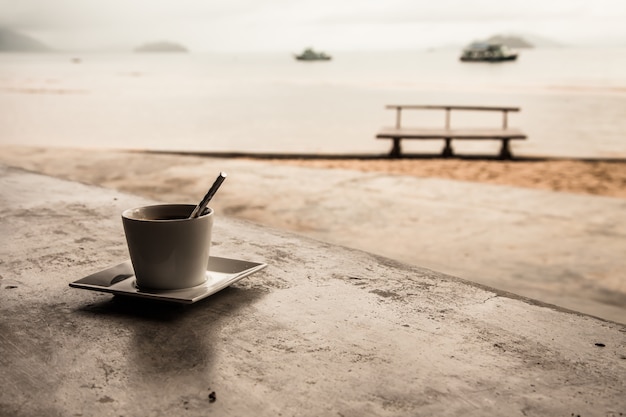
x,y
573,100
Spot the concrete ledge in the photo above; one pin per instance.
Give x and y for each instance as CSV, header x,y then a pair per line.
x,y
324,330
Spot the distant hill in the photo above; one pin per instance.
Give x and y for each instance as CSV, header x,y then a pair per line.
x,y
161,47
11,41
524,41
511,41
541,42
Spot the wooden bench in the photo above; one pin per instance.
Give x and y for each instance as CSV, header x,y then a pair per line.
x,y
504,133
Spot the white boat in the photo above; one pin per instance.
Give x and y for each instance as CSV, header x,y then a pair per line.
x,y
487,52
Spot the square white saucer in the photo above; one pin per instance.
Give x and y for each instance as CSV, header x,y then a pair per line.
x,y
120,280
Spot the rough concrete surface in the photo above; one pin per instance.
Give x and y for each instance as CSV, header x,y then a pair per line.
x,y
323,330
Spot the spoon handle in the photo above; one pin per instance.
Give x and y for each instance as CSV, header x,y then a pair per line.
x,y
208,196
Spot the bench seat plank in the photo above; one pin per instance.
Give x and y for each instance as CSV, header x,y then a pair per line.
x,y
462,133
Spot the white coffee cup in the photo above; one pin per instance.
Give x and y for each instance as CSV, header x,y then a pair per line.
x,y
168,250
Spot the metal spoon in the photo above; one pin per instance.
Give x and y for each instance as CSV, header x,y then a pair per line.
x,y
208,196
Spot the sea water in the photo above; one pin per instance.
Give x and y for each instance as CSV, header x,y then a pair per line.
x,y
572,100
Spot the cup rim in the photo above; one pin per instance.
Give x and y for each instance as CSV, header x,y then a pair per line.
x,y
130,214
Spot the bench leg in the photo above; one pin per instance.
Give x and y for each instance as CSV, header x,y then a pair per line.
x,y
505,151
447,149
396,151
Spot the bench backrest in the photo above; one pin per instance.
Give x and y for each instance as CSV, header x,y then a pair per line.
x,y
448,109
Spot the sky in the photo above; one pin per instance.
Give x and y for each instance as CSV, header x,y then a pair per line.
x,y
291,25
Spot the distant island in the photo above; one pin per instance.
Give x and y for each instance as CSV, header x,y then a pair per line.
x,y
161,47
510,41
12,41
523,41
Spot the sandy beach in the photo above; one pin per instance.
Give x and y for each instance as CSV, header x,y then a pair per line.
x,y
604,177
595,177
500,219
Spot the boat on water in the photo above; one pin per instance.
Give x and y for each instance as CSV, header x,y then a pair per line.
x,y
487,52
311,55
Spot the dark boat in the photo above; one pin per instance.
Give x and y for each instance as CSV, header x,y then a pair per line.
x,y
487,52
310,55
